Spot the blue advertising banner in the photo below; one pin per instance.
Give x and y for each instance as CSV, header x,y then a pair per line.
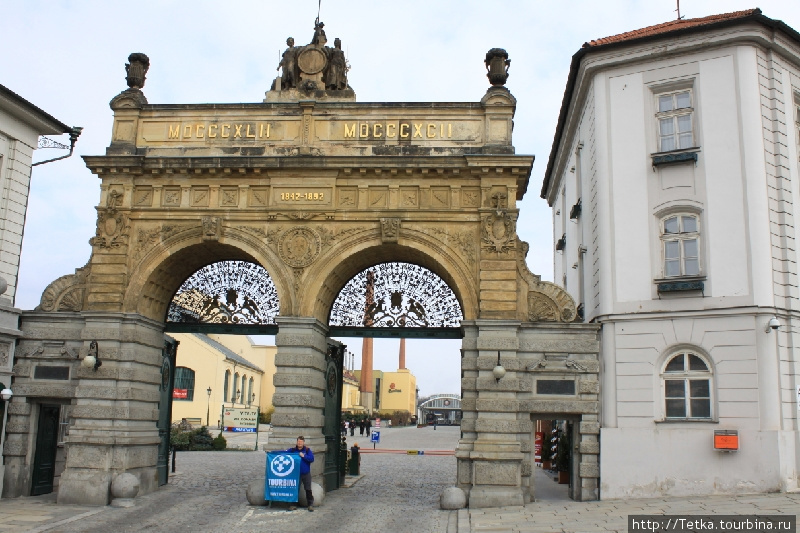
x,y
283,477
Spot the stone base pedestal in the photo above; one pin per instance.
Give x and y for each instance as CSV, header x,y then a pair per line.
x,y
84,487
482,497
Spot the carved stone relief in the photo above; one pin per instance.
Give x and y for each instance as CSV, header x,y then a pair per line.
x,y
465,241
143,197
66,293
258,197
200,197
347,197
409,197
498,232
470,198
299,247
171,197
378,197
390,230
112,226
229,197
147,238
212,228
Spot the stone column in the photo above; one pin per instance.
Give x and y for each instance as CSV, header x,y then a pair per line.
x,y
299,384
114,418
496,454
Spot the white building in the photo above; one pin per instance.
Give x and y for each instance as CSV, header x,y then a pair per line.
x,y
21,124
673,180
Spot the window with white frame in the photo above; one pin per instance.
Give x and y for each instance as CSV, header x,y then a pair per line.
x,y
680,244
675,120
687,387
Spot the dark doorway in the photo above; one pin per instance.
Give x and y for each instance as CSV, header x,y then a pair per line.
x,y
44,461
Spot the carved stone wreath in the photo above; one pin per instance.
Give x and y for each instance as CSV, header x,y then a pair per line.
x,y
299,247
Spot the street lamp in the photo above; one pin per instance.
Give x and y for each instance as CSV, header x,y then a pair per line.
x,y
6,394
238,395
208,405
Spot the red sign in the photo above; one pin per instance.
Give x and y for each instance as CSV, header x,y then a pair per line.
x,y
537,446
180,394
726,441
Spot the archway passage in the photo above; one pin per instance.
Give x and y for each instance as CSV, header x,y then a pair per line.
x,y
396,299
225,297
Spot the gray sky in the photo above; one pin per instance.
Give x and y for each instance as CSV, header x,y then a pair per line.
x,y
67,57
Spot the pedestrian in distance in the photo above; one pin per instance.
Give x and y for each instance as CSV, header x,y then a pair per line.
x,y
361,426
344,428
352,428
369,427
306,458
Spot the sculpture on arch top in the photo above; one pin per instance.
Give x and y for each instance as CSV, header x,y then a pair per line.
x,y
315,71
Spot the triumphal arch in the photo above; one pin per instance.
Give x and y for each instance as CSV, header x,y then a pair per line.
x,y
313,187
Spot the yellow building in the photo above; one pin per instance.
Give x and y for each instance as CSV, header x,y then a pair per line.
x,y
213,371
394,391
398,391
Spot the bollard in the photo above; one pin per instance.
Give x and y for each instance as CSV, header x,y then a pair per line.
x,y
355,461
173,459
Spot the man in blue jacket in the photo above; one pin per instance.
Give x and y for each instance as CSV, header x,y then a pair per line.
x,y
306,458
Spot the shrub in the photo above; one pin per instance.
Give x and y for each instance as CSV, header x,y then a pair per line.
x,y
266,416
202,440
219,442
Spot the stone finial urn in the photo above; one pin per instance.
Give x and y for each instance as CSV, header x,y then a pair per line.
x,y
136,68
497,64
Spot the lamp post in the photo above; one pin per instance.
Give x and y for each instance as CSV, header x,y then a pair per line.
x,y
208,405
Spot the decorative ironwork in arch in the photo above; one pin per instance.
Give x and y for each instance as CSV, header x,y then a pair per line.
x,y
227,292
396,295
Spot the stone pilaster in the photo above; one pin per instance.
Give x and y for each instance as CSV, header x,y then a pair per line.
x,y
115,411
496,455
299,385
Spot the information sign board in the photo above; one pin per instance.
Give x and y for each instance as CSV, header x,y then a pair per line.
x,y
240,420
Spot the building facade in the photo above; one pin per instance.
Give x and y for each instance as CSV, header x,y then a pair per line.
x,y
673,181
21,124
217,371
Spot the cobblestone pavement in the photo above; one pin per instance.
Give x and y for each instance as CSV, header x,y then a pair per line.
x,y
397,493
567,516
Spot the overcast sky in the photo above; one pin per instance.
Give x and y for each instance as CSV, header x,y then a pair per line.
x,y
67,57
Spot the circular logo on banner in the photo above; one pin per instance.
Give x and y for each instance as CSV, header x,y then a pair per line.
x,y
281,466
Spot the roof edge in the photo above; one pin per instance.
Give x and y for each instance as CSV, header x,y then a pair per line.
x,y
756,16
30,108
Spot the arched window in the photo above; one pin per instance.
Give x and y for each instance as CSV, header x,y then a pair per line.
x,y
184,384
250,397
235,385
227,385
688,391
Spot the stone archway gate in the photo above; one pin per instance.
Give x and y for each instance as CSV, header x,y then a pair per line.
x,y
315,187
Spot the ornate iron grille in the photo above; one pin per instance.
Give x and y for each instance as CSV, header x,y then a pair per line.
x,y
228,292
396,295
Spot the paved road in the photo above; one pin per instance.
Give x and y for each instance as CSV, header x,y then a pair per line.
x,y
398,494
